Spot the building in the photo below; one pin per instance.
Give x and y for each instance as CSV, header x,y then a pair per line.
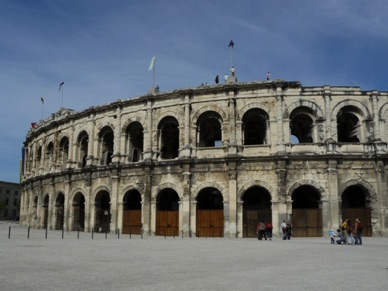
x,y
9,200
212,161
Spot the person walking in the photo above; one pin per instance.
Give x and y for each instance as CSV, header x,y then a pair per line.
x,y
289,229
268,230
283,227
358,230
261,228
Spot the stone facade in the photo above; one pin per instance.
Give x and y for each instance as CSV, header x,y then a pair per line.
x,y
212,156
9,200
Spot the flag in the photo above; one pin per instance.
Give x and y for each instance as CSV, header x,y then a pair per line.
x,y
152,64
231,43
41,99
60,85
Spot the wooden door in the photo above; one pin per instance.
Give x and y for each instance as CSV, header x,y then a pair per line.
x,y
307,222
167,223
59,218
132,222
363,214
252,217
210,223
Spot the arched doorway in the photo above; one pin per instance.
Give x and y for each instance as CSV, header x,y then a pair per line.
x,y
79,212
354,206
59,211
167,213
210,213
103,215
306,215
45,211
256,207
132,212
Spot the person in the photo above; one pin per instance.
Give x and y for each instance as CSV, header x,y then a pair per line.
x,y
268,76
340,237
333,235
217,80
343,228
232,70
349,233
261,229
283,227
358,230
268,230
226,77
289,229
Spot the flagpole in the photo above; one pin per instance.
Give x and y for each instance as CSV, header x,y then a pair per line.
x,y
42,100
62,93
153,76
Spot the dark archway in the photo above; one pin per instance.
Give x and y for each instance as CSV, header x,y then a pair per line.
x,y
106,138
209,129
306,215
103,215
210,213
45,211
59,211
79,212
169,138
255,127
135,140
354,205
256,208
132,212
167,213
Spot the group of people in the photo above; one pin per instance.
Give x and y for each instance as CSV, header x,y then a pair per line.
x,y
348,233
264,230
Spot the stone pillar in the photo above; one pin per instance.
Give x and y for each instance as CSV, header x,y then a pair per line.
x,y
240,219
92,144
186,150
185,205
148,133
374,98
279,117
232,146
232,201
327,98
153,217
117,138
193,216
326,216
146,201
282,198
333,197
119,212
275,216
114,196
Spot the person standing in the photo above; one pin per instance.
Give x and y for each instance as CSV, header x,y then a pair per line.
x,y
261,228
283,227
289,229
217,80
358,230
268,230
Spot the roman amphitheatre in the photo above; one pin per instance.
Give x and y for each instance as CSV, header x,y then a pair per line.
x,y
212,161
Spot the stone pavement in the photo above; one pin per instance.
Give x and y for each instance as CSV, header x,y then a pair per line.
x,y
158,263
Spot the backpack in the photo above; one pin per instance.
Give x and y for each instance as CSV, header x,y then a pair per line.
x,y
359,226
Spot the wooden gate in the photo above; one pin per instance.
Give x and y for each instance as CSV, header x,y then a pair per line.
x,y
79,219
132,222
307,222
363,214
210,223
167,223
252,217
59,218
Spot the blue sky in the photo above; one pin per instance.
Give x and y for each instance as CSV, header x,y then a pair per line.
x,y
102,50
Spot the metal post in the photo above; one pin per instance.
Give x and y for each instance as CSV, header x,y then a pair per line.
x,y
62,232
92,232
46,232
78,234
118,233
28,232
9,232
130,233
106,235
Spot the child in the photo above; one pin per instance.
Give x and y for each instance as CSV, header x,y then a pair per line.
x,y
333,235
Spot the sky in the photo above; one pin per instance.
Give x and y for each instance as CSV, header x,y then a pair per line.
x,y
102,51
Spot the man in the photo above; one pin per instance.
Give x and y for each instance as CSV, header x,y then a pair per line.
x,y
358,230
283,227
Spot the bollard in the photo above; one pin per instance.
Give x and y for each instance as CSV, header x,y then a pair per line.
x,y
9,232
118,233
106,234
46,233
63,231
77,233
28,232
130,233
182,234
141,234
92,232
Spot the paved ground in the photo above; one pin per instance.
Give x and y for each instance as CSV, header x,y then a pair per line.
x,y
158,263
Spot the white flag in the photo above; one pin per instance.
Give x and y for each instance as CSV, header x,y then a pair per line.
x,y
152,64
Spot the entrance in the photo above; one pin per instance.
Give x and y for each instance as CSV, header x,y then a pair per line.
x,y
256,208
132,213
45,211
354,206
306,215
102,207
167,213
59,211
210,213
79,212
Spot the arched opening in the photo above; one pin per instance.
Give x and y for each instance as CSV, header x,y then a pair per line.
x,y
348,125
64,151
209,130
355,205
103,215
39,156
106,139
169,138
82,144
210,213
256,208
135,140
255,127
167,213
50,156
59,211
302,125
306,215
132,212
79,212
45,211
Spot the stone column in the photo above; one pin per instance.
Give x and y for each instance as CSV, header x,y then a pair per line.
x,y
232,146
275,215
333,197
240,219
326,216
232,201
186,150
185,205
120,215
193,216
327,98
146,201
117,138
279,117
148,133
92,144
374,98
115,179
